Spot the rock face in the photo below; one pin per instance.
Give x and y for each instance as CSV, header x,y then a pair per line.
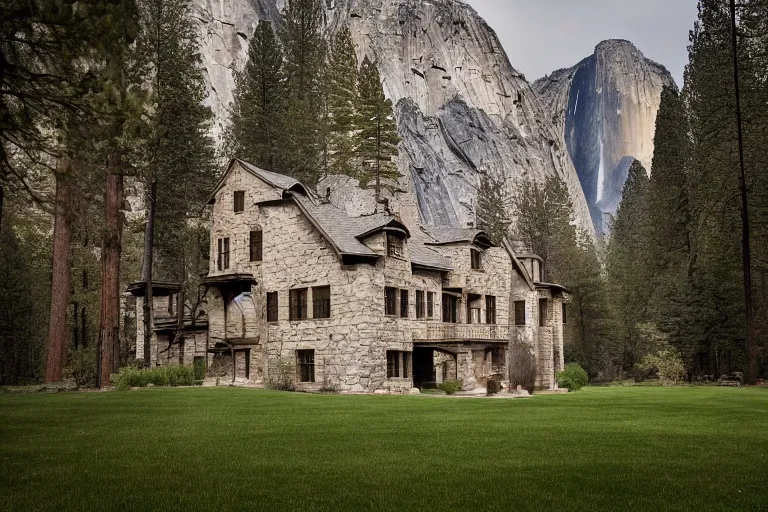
x,y
605,107
462,109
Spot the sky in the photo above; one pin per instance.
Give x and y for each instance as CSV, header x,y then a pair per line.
x,y
540,36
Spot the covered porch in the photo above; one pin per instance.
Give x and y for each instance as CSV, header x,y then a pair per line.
x,y
470,362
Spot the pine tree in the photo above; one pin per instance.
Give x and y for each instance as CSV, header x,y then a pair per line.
x,y
493,207
377,131
342,86
178,158
717,297
544,214
669,229
256,133
626,263
305,56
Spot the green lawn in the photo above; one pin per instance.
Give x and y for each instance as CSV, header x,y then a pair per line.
x,y
236,449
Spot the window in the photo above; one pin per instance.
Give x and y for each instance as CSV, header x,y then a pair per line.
x,y
477,259
395,247
298,304
272,301
565,314
490,309
430,304
519,312
305,361
542,312
404,303
239,201
256,245
398,364
390,301
321,302
222,260
419,304
450,309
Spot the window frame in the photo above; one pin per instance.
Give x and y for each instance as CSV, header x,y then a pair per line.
x,y
518,303
390,301
222,258
273,307
305,365
490,309
297,307
476,259
238,201
404,305
256,244
450,304
420,305
321,307
398,364
543,312
430,304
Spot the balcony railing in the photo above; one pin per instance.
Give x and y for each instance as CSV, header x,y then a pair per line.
x,y
459,332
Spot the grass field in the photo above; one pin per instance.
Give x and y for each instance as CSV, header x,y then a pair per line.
x,y
235,449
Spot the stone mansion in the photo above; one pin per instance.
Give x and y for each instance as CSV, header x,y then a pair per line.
x,y
299,290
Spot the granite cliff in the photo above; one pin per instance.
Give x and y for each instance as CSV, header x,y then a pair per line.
x,y
605,107
462,109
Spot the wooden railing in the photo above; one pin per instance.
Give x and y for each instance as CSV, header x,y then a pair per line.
x,y
458,332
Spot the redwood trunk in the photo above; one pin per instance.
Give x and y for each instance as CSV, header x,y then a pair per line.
x,y
60,271
109,320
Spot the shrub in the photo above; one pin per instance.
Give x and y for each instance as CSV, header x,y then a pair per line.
x,y
573,377
284,373
131,377
81,367
667,364
199,368
493,386
450,386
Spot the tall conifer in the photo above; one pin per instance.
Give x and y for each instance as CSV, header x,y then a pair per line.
x,y
305,52
258,122
378,132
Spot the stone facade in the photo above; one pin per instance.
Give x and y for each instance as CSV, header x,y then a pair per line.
x,y
388,285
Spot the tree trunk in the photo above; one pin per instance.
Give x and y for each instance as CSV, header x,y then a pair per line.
x,y
146,271
109,320
753,355
60,270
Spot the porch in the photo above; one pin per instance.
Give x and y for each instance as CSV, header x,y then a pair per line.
x,y
454,332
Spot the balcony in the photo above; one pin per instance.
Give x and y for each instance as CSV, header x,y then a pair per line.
x,y
461,332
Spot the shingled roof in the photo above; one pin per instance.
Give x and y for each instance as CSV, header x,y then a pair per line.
x,y
341,230
273,179
442,235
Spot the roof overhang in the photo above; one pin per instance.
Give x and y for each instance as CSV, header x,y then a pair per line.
x,y
552,286
228,279
159,288
425,266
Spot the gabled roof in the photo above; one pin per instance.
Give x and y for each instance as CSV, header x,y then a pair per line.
x,y
343,232
426,257
443,235
273,179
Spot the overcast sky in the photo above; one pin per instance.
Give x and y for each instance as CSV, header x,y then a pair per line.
x,y
543,35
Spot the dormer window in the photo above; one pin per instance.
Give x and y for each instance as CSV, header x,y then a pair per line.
x,y
239,201
395,247
477,259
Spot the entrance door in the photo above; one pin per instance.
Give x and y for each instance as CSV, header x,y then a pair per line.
x,y
424,368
